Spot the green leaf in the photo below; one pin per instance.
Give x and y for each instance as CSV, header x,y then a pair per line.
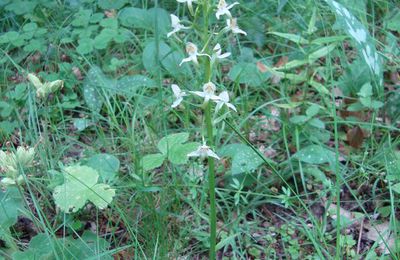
x,y
81,186
107,166
40,247
111,4
396,188
11,206
244,159
364,42
166,143
81,123
248,73
315,154
312,110
111,23
291,37
149,59
89,246
178,153
85,46
298,120
130,85
152,161
134,17
94,82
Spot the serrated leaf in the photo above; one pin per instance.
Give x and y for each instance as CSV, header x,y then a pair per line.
x,y
39,248
178,153
80,187
107,166
166,143
315,154
244,159
152,161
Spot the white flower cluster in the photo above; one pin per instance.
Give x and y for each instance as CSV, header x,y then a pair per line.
x,y
193,53
11,162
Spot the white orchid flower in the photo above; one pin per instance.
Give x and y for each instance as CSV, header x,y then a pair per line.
x,y
218,52
208,92
193,52
189,3
203,151
233,26
176,25
224,100
223,8
179,94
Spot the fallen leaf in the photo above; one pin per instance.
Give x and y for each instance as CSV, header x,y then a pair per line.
x,y
380,233
355,137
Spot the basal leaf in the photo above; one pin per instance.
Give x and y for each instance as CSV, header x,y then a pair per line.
x,y
152,161
178,153
166,143
315,154
244,159
364,42
80,187
107,166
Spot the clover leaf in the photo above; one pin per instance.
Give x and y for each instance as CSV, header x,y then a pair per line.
x,y
81,186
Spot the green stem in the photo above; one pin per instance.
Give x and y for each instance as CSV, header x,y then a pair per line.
x,y
211,184
210,138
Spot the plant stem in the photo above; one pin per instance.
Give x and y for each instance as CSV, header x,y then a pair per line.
x,y
210,138
211,183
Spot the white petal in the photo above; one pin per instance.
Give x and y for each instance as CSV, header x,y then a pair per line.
x,y
174,20
177,102
231,106
217,47
210,153
237,30
196,153
225,55
198,93
219,105
176,89
224,96
232,5
185,60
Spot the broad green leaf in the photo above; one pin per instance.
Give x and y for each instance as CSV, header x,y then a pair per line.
x,y
300,119
166,143
11,206
244,159
178,153
85,46
248,73
88,246
364,42
134,17
315,154
80,187
93,85
152,161
291,37
396,188
149,58
312,110
40,247
107,166
130,85
111,4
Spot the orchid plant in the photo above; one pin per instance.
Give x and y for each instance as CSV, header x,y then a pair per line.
x,y
206,57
